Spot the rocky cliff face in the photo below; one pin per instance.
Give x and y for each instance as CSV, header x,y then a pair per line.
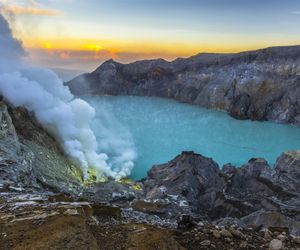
x,y
29,157
257,85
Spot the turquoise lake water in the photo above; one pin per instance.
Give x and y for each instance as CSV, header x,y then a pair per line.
x,y
159,129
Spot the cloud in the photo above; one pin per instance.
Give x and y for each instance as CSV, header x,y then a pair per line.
x,y
67,118
21,10
87,60
83,59
27,7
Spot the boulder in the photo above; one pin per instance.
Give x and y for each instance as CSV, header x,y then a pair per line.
x,y
189,175
276,244
150,206
273,220
287,167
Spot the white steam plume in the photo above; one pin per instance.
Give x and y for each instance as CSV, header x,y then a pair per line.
x,y
67,118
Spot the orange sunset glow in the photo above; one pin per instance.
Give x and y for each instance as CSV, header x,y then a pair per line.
x,y
71,34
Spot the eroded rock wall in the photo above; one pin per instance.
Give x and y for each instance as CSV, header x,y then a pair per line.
x,y
30,157
256,85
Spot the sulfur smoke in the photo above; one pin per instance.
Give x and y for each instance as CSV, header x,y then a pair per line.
x,y
67,118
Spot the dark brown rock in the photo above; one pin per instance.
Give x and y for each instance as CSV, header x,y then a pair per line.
x,y
150,206
105,210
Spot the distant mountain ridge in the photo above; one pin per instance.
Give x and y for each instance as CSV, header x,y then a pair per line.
x,y
67,74
259,85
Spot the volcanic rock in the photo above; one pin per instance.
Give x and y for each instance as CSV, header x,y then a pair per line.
x,y
255,193
256,85
178,205
276,245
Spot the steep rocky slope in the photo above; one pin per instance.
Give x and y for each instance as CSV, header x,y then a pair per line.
x,y
30,157
257,85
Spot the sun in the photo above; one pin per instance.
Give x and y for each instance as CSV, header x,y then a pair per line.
x,y
48,45
93,47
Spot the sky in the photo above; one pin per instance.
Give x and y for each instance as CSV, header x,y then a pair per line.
x,y
81,34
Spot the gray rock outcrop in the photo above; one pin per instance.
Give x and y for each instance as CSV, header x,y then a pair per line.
x,y
30,157
253,193
256,85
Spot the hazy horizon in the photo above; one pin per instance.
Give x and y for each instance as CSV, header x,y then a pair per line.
x,y
77,34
